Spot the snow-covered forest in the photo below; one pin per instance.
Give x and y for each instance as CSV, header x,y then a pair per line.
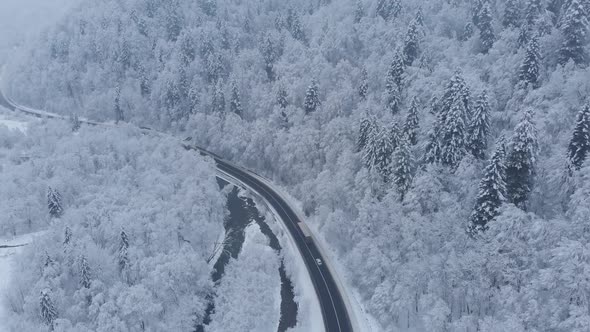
x,y
439,146
129,222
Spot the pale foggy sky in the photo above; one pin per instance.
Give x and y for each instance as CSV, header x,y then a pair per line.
x,y
21,20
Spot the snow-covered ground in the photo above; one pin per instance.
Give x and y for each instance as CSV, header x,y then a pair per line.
x,y
11,121
7,257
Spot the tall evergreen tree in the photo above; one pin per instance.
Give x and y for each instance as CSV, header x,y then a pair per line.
x,y
533,9
393,82
575,31
529,70
235,104
521,160
359,11
511,14
467,32
312,97
378,152
432,151
54,203
271,53
486,28
453,134
368,125
118,110
67,236
123,253
282,96
456,89
492,191
47,309
412,43
479,127
412,123
364,85
579,146
402,167
419,18
388,9
218,102
85,276
294,25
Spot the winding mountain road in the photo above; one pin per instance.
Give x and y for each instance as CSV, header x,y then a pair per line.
x,y
335,311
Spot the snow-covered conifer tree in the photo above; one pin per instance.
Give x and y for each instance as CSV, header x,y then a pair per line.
x,y
364,85
492,191
312,97
529,70
54,203
235,103
453,134
122,254
388,9
368,125
84,271
282,96
359,11
521,161
432,151
393,82
579,145
575,34
533,9
412,123
218,100
412,43
402,167
511,14
486,28
47,309
479,127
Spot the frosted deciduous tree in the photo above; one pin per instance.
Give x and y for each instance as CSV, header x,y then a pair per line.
x,y
521,161
575,34
54,203
412,123
479,127
492,191
312,97
529,70
579,145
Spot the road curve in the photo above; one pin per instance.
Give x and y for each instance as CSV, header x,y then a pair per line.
x,y
334,310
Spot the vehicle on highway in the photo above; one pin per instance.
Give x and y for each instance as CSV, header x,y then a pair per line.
x,y
318,261
306,232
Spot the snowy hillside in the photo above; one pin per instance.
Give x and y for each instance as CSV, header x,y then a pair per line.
x,y
440,147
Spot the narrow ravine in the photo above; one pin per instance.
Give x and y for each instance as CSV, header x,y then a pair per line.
x,y
242,212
